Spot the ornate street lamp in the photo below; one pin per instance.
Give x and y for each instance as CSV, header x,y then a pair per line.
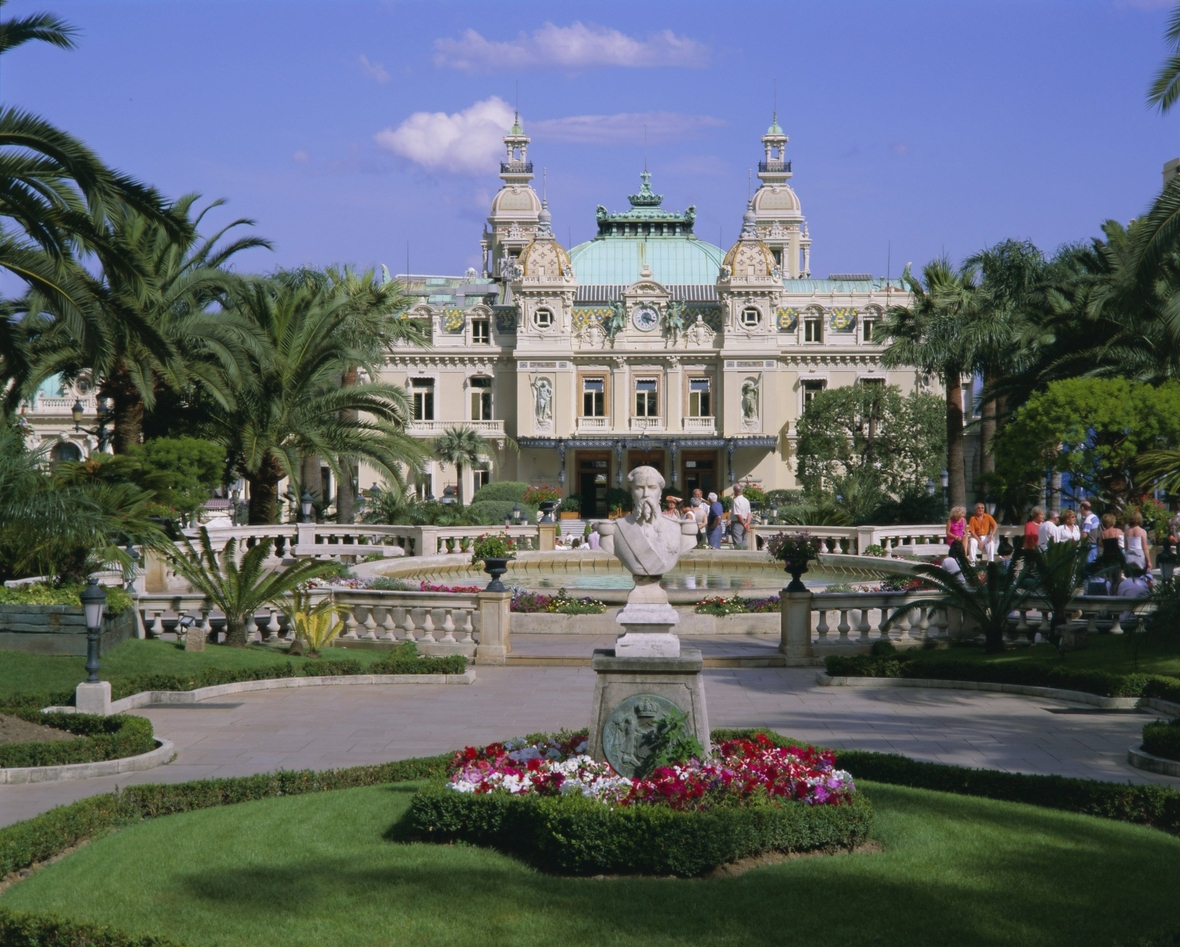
x,y
773,512
306,505
105,410
94,600
930,487
989,504
517,513
133,570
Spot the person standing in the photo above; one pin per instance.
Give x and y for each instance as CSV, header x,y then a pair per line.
x,y
714,524
1068,531
1112,541
982,533
1047,531
1136,542
1090,528
700,513
1032,529
739,518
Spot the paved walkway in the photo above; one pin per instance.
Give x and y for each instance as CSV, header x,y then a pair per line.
x,y
324,727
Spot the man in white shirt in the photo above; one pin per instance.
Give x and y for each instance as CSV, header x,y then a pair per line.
x,y
1091,528
739,518
700,513
1047,533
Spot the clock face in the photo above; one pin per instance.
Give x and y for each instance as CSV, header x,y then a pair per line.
x,y
645,318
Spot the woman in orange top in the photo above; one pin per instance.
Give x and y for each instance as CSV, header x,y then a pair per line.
x,y
982,533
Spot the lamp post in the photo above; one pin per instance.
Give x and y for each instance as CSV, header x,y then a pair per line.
x,y
517,513
94,600
945,479
133,570
306,504
930,487
989,504
105,410
773,512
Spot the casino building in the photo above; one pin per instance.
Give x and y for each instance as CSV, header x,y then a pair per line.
x,y
644,345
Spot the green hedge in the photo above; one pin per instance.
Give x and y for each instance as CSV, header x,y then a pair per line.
x,y
104,738
26,843
491,512
578,836
1162,738
1157,806
501,491
1103,683
19,929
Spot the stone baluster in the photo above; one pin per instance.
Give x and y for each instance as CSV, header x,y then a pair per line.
x,y
1022,638
252,632
1092,624
843,627
821,628
370,624
902,624
468,628
448,626
1043,627
272,626
923,623
388,628
863,626
408,625
428,625
350,624
1116,627
157,628
206,624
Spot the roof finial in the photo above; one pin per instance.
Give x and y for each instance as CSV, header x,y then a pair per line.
x,y
645,146
544,183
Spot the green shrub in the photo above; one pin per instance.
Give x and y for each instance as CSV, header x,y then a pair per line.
x,y
618,497
104,738
1162,738
1102,683
51,833
578,836
20,929
492,512
509,491
1157,806
44,593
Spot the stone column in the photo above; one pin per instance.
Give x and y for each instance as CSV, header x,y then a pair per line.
x,y
547,537
796,628
495,616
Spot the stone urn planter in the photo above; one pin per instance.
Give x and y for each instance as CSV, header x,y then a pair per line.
x,y
496,566
796,573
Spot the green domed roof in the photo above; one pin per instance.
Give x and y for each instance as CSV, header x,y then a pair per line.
x,y
618,260
775,127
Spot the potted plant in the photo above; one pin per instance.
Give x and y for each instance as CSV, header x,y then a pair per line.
x,y
571,507
794,551
495,551
544,497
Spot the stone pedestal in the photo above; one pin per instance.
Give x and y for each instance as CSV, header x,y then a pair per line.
x,y
795,641
495,615
93,698
632,694
547,537
647,632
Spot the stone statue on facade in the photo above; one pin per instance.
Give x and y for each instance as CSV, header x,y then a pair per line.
x,y
750,399
674,321
616,321
542,399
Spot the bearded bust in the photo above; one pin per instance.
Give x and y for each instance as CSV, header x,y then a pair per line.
x,y
645,541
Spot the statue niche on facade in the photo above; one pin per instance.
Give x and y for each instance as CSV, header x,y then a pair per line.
x,y
542,399
616,321
674,321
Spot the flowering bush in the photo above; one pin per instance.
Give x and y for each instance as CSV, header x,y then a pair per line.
x,y
793,550
719,605
493,546
742,773
535,496
427,587
561,604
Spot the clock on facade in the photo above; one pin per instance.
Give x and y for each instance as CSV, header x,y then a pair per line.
x,y
645,318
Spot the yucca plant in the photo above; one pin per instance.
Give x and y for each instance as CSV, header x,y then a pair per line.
x,y
1057,575
317,626
239,588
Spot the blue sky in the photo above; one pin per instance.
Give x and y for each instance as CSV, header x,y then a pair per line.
x,y
348,129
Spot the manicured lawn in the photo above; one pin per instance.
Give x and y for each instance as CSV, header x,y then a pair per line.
x,y
323,869
1112,653
22,673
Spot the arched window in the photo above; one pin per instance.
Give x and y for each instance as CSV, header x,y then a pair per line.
x,y
65,452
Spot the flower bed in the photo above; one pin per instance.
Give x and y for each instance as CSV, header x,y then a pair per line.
x,y
559,604
719,605
547,801
104,738
1162,738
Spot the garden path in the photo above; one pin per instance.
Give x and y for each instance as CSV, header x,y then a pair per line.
x,y
324,727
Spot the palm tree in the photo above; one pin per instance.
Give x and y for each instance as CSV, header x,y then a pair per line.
x,y
239,589
929,335
1165,88
989,601
461,447
1057,575
292,405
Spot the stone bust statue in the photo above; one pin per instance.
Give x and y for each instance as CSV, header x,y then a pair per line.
x,y
645,541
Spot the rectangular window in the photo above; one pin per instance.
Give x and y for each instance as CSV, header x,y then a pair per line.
x,y
481,332
700,403
868,326
813,330
810,390
481,399
479,480
876,382
646,405
593,397
423,391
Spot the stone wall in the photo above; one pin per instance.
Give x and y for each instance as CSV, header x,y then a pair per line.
x,y
58,629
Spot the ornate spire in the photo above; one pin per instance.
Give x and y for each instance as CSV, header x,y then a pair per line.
x,y
646,197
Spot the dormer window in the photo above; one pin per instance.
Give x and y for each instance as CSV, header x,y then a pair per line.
x,y
813,329
543,318
481,332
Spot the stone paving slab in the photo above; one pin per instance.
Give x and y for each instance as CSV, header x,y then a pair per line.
x,y
339,726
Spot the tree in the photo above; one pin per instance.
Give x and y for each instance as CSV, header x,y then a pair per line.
x,y
290,406
871,434
988,601
239,588
929,335
1165,87
1058,575
1094,429
460,447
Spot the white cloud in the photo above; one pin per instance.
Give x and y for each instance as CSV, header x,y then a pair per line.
x,y
374,70
574,46
623,127
467,142
302,156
